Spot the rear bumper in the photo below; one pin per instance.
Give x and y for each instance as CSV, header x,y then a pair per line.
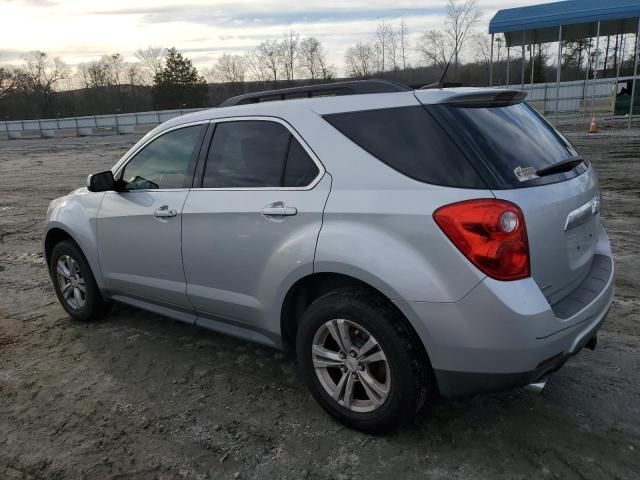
x,y
452,384
505,334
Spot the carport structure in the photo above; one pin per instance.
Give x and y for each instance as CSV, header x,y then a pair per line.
x,y
568,20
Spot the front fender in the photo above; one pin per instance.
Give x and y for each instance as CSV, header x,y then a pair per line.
x,y
76,214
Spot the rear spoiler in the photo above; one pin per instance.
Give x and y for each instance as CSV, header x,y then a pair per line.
x,y
500,98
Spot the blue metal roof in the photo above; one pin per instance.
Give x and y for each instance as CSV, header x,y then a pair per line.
x,y
569,12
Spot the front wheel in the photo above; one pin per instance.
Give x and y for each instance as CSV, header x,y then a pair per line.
x,y
361,361
74,283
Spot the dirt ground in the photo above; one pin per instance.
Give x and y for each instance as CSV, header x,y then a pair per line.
x,y
141,396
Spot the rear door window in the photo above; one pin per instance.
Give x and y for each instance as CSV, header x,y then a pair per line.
x,y
409,140
246,154
507,138
257,154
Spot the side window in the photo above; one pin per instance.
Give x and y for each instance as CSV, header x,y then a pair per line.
x,y
300,170
410,141
163,163
255,154
246,154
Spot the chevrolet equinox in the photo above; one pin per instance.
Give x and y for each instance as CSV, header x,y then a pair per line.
x,y
402,242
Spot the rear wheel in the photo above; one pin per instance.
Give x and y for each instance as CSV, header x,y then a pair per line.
x,y
361,361
74,283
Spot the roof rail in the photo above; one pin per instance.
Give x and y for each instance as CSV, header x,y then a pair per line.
x,y
355,87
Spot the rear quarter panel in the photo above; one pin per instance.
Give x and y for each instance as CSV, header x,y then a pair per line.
x,y
378,225
389,240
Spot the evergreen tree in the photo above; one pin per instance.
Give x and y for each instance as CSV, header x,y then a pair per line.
x,y
177,84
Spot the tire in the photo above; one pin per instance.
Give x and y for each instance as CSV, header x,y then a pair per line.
x,y
402,379
69,281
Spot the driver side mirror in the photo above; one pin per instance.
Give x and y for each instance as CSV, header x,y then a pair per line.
x,y
101,182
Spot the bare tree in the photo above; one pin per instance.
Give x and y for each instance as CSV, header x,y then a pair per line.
x,y
115,69
403,40
499,47
115,72
606,55
288,53
229,69
268,57
383,33
41,75
134,73
109,71
8,82
151,59
393,48
312,60
114,78
616,51
310,53
378,57
574,54
44,72
435,47
82,75
256,69
360,60
328,71
543,57
483,50
462,16
92,74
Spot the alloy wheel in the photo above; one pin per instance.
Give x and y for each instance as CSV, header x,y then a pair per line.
x,y
351,365
71,282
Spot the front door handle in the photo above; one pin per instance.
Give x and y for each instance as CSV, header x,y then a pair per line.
x,y
164,212
279,211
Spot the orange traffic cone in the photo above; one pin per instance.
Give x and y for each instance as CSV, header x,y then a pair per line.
x,y
593,126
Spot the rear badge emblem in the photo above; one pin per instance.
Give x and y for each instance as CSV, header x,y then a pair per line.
x,y
581,214
595,204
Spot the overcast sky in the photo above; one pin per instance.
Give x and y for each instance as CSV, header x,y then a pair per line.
x,y
83,30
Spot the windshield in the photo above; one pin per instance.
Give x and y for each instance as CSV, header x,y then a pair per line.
x,y
510,140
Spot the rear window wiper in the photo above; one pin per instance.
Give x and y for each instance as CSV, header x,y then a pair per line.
x,y
563,166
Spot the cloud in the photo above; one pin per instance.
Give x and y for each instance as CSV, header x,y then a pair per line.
x,y
200,14
11,56
35,3
80,31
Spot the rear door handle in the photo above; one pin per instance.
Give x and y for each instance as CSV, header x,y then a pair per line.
x,y
279,211
164,212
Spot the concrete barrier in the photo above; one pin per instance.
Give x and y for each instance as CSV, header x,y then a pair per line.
x,y
123,123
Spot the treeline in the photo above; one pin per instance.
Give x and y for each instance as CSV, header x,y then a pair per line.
x,y
46,87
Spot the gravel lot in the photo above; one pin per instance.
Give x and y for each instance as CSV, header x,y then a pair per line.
x,y
141,396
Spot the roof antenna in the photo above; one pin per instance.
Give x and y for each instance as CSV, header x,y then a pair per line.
x,y
440,82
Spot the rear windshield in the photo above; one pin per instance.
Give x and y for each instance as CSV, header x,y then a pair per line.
x,y
508,138
409,140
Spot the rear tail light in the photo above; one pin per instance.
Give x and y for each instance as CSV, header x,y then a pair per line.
x,y
490,233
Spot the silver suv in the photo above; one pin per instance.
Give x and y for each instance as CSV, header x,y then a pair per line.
x,y
403,242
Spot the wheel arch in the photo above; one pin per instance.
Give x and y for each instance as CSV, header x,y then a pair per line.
x,y
313,286
57,232
54,236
